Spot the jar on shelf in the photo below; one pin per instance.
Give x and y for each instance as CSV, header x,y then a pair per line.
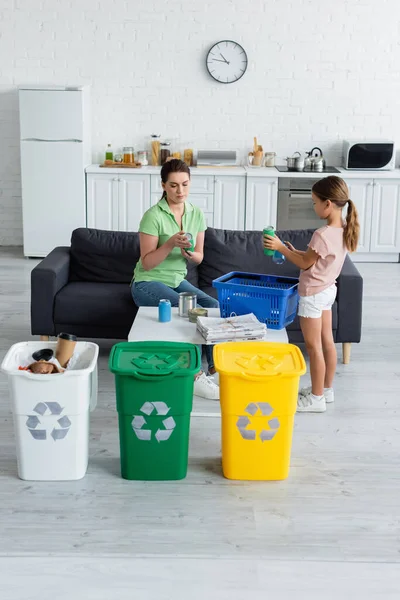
x,y
165,151
142,158
155,149
129,157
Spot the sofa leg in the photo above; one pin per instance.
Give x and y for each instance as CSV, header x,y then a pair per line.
x,y
346,347
44,338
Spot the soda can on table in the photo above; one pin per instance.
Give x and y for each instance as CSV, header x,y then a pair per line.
x,y
164,311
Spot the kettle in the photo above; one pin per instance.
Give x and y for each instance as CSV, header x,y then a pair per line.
x,y
318,162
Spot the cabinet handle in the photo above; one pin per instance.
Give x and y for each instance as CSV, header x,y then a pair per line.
x,y
115,178
370,183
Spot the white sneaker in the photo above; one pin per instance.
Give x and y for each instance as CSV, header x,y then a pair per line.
x,y
328,393
311,403
205,387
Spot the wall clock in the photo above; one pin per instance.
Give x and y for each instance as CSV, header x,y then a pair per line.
x,y
226,61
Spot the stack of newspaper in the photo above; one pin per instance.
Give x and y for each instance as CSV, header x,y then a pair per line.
x,y
231,329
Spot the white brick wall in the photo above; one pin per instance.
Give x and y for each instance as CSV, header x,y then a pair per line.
x,y
318,72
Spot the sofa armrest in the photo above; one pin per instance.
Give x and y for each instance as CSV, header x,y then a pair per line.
x,y
47,279
349,303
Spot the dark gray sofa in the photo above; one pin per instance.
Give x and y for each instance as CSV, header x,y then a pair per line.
x,y
84,289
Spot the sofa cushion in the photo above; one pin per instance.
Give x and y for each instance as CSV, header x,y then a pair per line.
x,y
226,251
95,304
103,256
108,256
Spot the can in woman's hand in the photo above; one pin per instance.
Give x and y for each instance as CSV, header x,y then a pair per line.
x,y
164,311
189,238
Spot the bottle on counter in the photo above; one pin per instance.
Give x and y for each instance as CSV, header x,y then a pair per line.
x,y
155,149
109,153
129,157
165,152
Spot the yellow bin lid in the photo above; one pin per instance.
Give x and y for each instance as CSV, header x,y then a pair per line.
x,y
259,359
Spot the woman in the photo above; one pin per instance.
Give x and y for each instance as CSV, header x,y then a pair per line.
x,y
161,271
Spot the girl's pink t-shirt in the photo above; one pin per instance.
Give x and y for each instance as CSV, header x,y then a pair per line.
x,y
329,244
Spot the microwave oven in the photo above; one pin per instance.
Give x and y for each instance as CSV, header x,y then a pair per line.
x,y
369,155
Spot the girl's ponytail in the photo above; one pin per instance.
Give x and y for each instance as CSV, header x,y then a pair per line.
x,y
335,190
351,228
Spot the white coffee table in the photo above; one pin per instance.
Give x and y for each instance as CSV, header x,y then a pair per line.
x,y
146,327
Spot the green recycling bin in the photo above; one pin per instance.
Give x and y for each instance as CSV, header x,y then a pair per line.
x,y
154,389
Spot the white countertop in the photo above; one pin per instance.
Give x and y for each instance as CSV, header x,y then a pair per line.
x,y
270,172
273,172
149,170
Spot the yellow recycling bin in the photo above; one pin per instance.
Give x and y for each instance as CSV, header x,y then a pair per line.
x,y
259,383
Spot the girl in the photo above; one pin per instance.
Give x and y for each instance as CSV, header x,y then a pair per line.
x,y
161,270
320,266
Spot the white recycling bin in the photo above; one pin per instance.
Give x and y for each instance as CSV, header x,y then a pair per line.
x,y
51,412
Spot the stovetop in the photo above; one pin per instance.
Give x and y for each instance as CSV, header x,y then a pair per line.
x,y
327,169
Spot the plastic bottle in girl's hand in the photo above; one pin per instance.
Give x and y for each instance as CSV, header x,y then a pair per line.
x,y
278,258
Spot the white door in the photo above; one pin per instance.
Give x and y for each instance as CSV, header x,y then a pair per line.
x,y
53,194
229,202
102,201
134,200
385,230
51,115
261,203
361,193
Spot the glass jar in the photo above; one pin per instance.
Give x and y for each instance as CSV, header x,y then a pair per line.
x,y
142,158
155,149
165,152
270,159
128,155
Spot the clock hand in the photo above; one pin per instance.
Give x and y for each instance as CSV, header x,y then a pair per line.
x,y
224,58
218,60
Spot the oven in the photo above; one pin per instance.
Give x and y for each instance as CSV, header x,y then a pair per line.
x,y
295,206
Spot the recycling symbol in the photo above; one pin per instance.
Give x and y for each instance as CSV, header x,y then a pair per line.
x,y
161,435
45,409
244,423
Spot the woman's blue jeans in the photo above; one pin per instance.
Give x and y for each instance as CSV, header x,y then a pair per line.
x,y
149,293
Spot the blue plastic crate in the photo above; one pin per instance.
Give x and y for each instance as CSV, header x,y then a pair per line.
x,y
272,299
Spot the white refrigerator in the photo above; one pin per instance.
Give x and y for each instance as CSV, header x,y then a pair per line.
x,y
55,150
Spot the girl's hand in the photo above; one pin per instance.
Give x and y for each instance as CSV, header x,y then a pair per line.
x,y
179,240
289,245
272,243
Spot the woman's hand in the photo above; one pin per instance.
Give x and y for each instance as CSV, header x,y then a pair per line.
x,y
186,253
179,240
272,243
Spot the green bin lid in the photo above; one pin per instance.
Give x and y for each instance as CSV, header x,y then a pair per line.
x,y
154,358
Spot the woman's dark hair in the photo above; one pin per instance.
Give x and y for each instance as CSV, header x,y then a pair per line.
x,y
335,189
173,166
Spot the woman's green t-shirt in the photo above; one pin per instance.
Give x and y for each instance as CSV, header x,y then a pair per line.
x,y
160,221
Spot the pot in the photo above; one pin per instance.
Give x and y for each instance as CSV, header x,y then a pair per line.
x,y
295,163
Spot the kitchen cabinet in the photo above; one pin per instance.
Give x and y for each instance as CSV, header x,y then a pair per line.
x,y
117,203
378,206
361,193
133,201
261,202
385,228
102,201
229,202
